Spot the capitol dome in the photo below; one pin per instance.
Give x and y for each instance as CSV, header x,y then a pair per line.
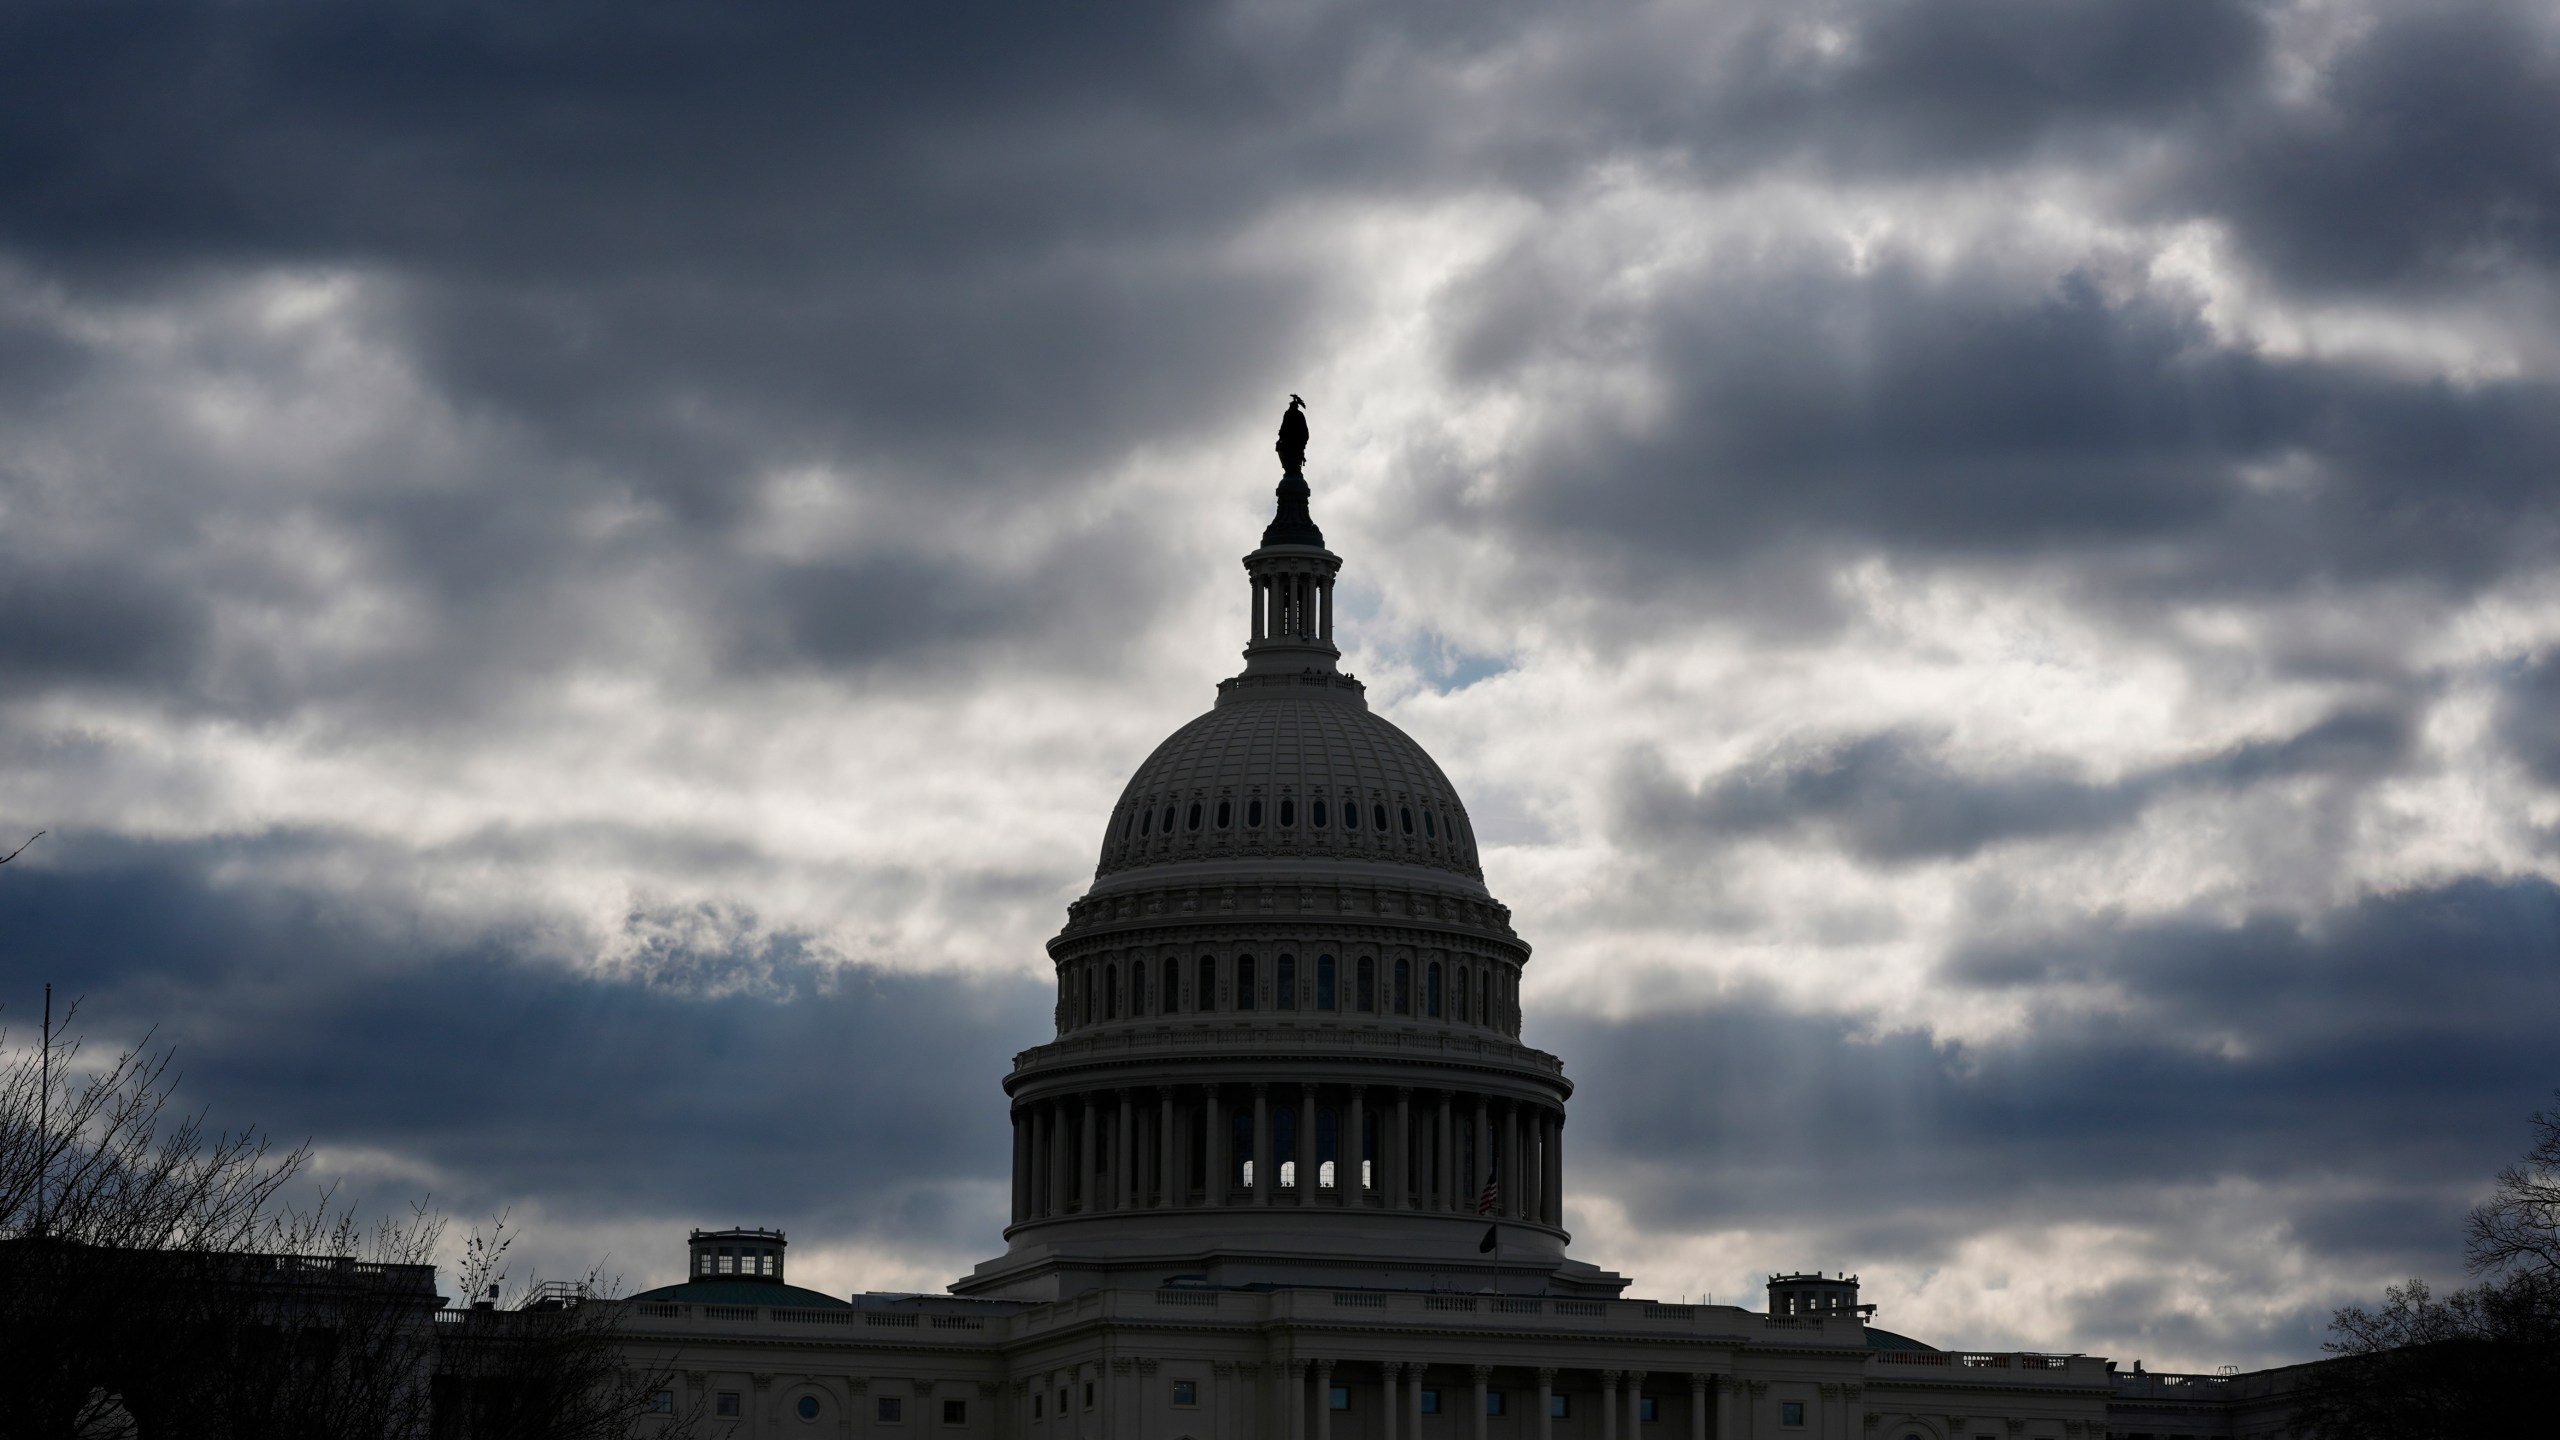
x,y
1287,1045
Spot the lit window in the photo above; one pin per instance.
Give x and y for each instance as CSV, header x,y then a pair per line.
x,y
1791,1412
728,1262
891,1409
807,1409
705,1258
1494,1403
1324,1176
1315,813
725,1403
955,1412
1186,1392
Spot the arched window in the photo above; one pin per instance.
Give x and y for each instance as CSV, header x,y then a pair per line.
x,y
1288,812
1240,1149
1484,998
1110,992
1406,811
1404,987
1379,814
1128,823
1084,982
1324,982
1205,998
1287,978
1365,995
1431,991
1458,1001
1146,822
1253,813
1137,987
1244,982
1192,820
1315,813
1284,1144
1350,814
1368,1148
1328,1146
1429,830
1168,820
1226,813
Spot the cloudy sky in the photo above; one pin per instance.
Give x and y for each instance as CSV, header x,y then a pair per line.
x,y
576,583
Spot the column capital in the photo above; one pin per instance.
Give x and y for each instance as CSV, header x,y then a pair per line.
x,y
1481,1372
1122,1364
1323,1368
1546,1375
1635,1377
1261,1088
1146,1366
1698,1382
1610,1377
1390,1369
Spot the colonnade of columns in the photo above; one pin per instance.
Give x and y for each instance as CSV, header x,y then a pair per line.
x,y
1293,605
1399,1410
1177,1146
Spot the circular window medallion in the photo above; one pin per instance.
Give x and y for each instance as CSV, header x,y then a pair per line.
x,y
808,1407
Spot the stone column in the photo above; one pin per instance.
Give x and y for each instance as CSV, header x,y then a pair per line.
x,y
1263,1179
1697,1407
1295,1372
1085,1158
1222,1384
1483,1377
1307,1145
1062,1170
1034,1202
1484,1159
1446,1197
1400,1181
1635,1405
1555,1171
1351,1177
1257,607
1324,1400
1328,610
1021,1143
1413,1402
1546,1403
1123,1157
1515,1194
1164,1149
1387,1373
1213,1134
1608,1405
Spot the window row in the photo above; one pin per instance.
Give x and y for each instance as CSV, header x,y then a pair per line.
x,y
1141,822
887,1409
1475,992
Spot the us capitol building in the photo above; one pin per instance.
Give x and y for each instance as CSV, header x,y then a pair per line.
x,y
1287,1172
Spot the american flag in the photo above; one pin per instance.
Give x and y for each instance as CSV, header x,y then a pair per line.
x,y
1491,1199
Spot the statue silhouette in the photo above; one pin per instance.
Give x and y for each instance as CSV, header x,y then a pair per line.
x,y
1293,437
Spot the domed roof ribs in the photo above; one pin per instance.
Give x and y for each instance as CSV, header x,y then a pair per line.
x,y
1292,579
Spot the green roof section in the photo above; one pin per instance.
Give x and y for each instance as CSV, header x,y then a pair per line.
x,y
743,1292
1887,1340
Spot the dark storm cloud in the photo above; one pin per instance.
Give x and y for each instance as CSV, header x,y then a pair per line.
x,y
722,1076
1895,797
2385,1053
2421,156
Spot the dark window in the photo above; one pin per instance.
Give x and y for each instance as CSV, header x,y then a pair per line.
x,y
1350,814
1244,982
1038,1398
1404,987
1110,992
1429,830
1253,813
1315,813
1328,1146
1646,1408
1168,820
1128,823
1338,1397
1494,1403
1366,995
1186,1392
1324,982
1226,813
1484,997
1560,1406
1791,1412
955,1412
1147,823
1192,820
1431,991
663,1403
807,1407
1240,1148
1458,1002
890,1408
1284,1144
1430,1402
1088,1394
1084,978
1379,814
725,1403
1137,987
1288,812
1287,978
1206,997
1406,812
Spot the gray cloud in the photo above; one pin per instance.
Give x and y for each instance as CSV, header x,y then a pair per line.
x,y
1896,797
